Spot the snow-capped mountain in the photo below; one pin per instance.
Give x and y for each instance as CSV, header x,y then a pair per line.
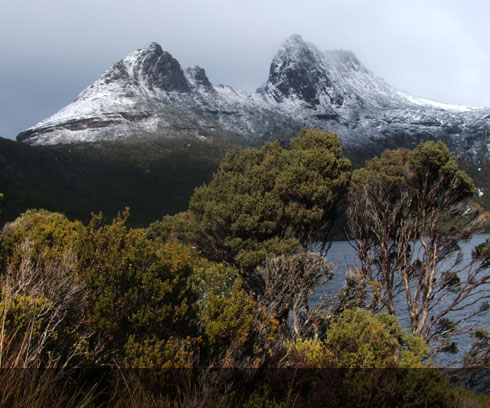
x,y
149,94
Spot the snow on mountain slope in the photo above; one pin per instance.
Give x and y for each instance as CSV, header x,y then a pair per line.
x,y
148,94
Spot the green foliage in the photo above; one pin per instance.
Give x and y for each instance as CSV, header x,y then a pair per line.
x,y
379,184
481,254
42,236
387,169
229,319
170,228
212,277
478,356
262,398
363,339
428,173
307,352
468,399
107,294
435,176
367,360
140,290
404,388
238,333
268,201
402,208
20,314
161,354
43,295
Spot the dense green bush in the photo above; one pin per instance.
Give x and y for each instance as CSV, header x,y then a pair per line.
x,y
140,291
239,333
22,314
367,359
361,339
42,237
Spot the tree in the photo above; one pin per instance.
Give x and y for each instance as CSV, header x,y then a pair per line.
x,y
402,212
269,201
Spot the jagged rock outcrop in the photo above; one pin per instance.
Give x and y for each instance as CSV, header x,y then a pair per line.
x,y
147,94
298,72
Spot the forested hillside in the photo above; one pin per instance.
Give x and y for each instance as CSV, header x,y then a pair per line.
x,y
153,178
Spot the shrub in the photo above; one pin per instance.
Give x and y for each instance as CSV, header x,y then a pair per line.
x,y
140,290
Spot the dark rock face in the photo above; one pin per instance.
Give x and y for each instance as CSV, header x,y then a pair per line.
x,y
197,78
117,73
147,94
298,71
158,69
150,68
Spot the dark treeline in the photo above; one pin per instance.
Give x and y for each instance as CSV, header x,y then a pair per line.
x,y
209,307
153,177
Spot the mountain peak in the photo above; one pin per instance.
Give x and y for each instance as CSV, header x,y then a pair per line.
x,y
295,45
152,46
148,68
148,94
294,39
298,72
156,69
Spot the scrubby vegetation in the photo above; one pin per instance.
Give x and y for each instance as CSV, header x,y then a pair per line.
x,y
211,307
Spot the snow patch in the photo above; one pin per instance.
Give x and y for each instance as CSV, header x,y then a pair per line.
x,y
438,105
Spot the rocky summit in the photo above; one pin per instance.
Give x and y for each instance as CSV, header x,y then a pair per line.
x,y
148,94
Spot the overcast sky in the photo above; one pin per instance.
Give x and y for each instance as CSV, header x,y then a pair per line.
x,y
50,50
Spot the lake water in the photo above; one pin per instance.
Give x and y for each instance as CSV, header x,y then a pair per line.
x,y
343,256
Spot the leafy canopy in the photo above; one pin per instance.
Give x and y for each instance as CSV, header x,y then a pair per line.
x,y
268,201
